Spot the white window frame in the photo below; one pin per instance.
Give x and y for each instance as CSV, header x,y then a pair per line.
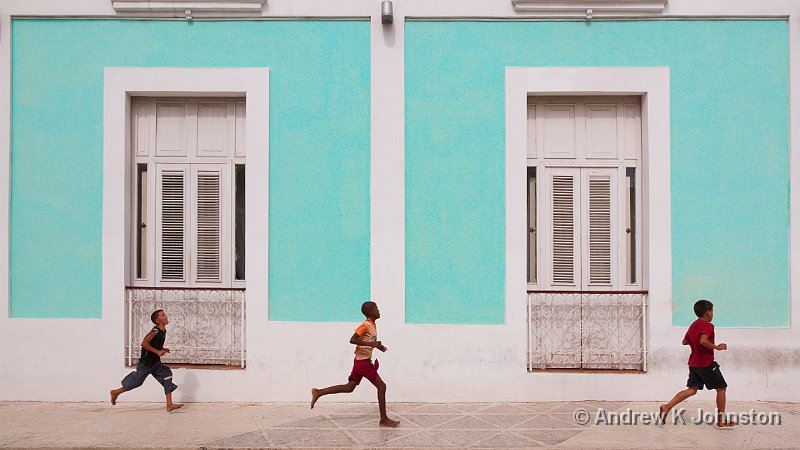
x,y
578,154
652,83
192,158
122,83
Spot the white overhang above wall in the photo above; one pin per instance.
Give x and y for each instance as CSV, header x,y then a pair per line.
x,y
589,8
189,9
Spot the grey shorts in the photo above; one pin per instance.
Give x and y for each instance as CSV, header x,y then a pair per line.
x,y
159,371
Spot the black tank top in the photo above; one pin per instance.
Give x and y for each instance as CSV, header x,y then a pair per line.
x,y
149,358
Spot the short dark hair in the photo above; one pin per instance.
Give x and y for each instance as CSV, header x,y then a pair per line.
x,y
154,316
367,306
701,306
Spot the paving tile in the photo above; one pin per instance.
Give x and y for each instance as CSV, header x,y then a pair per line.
x,y
345,421
403,407
549,437
548,422
505,420
506,408
333,439
434,408
379,436
360,408
253,439
468,423
313,422
429,420
282,438
506,440
471,407
464,438
422,439
540,408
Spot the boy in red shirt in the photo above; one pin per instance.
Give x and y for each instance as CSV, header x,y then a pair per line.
x,y
365,339
703,370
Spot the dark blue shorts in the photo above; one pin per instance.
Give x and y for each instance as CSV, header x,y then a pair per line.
x,y
159,371
710,376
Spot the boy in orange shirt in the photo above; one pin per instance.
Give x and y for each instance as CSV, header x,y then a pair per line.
x,y
365,339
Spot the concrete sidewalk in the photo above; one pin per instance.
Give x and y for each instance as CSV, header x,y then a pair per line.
x,y
355,425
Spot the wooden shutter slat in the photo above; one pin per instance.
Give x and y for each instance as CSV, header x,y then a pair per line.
x,y
563,220
599,230
208,226
172,225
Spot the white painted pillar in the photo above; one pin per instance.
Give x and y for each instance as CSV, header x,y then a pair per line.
x,y
387,166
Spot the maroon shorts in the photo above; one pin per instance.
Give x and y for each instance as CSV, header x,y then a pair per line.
x,y
364,368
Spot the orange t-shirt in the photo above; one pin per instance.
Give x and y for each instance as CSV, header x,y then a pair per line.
x,y
368,332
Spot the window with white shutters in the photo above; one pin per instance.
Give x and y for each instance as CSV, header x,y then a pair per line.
x,y
583,154
189,216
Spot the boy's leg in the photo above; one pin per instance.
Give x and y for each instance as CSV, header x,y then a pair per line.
x,y
722,421
352,381
679,397
115,393
163,374
131,381
172,406
385,420
338,389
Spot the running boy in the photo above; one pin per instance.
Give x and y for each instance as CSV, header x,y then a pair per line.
x,y
150,362
365,339
703,370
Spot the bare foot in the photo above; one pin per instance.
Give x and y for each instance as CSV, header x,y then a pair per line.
x,y
174,406
314,396
726,424
113,397
387,422
662,414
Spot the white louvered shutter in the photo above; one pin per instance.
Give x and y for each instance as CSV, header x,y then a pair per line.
x,y
599,227
208,182
564,233
171,221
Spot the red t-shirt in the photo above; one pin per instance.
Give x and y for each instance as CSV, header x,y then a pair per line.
x,y
701,356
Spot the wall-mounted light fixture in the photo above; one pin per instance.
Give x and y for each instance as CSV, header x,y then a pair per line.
x,y
386,12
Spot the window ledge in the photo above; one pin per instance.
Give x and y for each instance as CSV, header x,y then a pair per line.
x,y
195,366
589,8
188,8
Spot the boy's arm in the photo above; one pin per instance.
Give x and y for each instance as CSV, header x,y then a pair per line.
x,y
146,344
356,340
685,341
707,344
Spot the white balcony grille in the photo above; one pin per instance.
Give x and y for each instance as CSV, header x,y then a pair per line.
x,y
587,330
206,326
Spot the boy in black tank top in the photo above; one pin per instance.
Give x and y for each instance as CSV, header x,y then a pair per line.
x,y
150,362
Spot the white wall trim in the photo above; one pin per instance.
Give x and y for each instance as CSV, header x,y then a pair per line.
x,y
387,169
653,84
120,83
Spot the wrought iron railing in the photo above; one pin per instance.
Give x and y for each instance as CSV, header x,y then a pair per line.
x,y
206,326
587,330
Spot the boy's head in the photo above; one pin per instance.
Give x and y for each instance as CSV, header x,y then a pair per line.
x,y
159,316
370,310
703,306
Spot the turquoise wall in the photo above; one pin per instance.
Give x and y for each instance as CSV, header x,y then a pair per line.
x,y
729,158
319,154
